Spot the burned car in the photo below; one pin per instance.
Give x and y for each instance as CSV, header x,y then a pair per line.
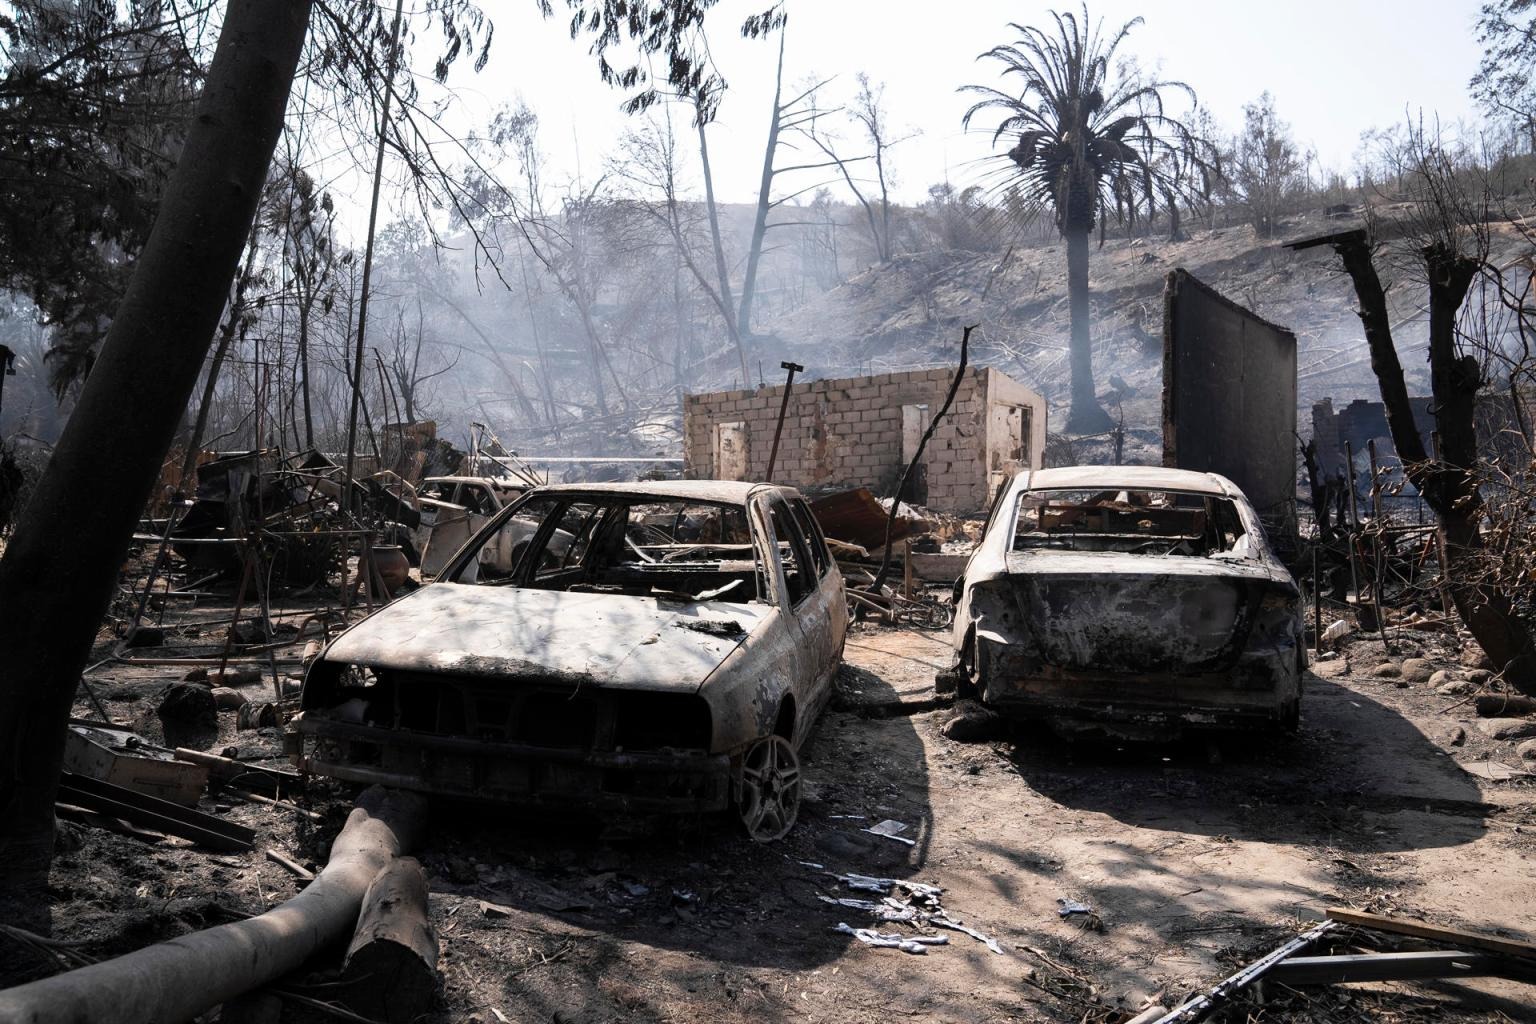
x,y
454,508
1132,599
658,647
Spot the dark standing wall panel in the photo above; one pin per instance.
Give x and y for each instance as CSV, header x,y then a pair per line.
x,y
1229,395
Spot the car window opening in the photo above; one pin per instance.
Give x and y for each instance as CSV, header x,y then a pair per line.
x,y
1129,522
675,550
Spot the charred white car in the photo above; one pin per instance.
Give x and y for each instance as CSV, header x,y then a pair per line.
x,y
653,647
1137,600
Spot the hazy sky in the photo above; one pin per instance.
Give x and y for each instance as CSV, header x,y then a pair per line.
x,y
1335,68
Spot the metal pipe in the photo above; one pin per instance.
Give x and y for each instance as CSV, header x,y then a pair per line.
x,y
773,454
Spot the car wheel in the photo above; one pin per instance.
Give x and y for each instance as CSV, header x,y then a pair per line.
x,y
770,789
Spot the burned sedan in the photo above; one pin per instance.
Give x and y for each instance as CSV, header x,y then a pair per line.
x,y
1136,600
659,647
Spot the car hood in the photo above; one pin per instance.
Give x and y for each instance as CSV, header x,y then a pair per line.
x,y
503,632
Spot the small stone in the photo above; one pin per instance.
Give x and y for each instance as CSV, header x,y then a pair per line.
x,y
1454,688
1387,670
1473,657
1456,737
1507,728
1417,670
1527,750
1477,676
1439,679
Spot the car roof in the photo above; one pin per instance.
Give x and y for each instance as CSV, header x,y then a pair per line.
x,y
727,491
1129,478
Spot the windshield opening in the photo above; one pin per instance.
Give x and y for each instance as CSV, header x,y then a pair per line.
x,y
622,544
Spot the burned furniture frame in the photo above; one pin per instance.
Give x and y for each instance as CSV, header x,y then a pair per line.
x,y
1478,956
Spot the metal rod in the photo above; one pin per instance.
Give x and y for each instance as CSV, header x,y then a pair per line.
x,y
1317,603
1354,526
1197,1008
773,454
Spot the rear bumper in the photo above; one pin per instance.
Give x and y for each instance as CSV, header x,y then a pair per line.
x,y
1260,691
519,774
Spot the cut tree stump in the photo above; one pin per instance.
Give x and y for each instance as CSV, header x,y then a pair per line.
x,y
391,966
177,980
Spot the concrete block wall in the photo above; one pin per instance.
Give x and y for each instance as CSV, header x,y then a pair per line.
x,y
847,432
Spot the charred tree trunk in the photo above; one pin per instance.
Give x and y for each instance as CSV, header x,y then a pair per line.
x,y
177,980
226,336
1085,415
724,299
1454,380
60,569
391,965
1449,485
309,420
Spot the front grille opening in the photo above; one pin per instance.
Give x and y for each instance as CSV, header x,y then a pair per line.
x,y
557,720
656,721
516,711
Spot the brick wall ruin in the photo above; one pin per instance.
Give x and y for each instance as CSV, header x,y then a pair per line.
x,y
860,432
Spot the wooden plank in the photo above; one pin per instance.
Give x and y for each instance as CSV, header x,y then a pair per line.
x,y
1434,933
152,812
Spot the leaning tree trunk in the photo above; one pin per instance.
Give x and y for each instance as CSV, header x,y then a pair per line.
x,y
60,570
210,385
1085,416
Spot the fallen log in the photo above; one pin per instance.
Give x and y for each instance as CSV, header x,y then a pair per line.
x,y
392,963
177,980
1504,705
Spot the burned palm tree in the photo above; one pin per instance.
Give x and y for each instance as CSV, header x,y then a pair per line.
x,y
1089,142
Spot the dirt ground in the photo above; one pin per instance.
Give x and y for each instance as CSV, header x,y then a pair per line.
x,y
1194,858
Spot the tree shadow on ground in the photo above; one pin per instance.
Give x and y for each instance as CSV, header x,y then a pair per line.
x,y
1353,764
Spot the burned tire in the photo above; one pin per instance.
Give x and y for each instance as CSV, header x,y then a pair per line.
x,y
770,789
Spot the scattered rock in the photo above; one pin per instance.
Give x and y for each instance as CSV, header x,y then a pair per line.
x,y
1508,728
1417,670
974,723
234,677
1527,750
1455,688
1477,676
189,716
1473,657
1456,737
1330,669
1440,678
1387,670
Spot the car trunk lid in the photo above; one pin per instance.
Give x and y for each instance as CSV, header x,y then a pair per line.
x,y
1111,612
